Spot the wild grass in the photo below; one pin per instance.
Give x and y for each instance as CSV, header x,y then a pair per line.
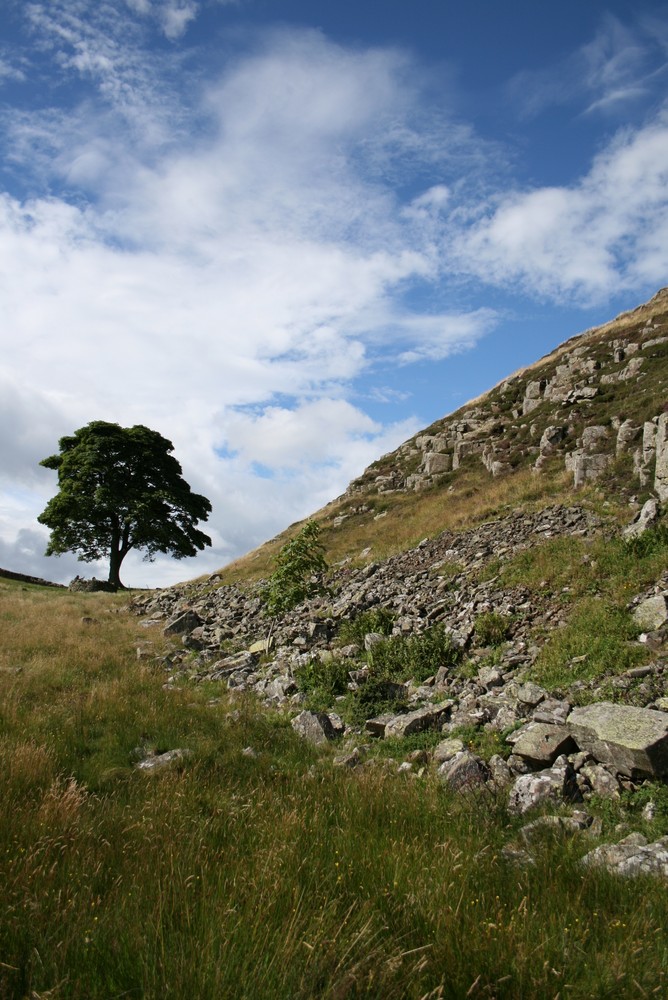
x,y
263,874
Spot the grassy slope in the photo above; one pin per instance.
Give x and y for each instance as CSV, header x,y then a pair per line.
x,y
265,875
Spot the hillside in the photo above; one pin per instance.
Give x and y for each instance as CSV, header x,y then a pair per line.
x,y
587,412
444,774
519,603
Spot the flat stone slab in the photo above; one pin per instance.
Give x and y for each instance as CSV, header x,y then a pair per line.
x,y
652,613
540,744
633,740
415,722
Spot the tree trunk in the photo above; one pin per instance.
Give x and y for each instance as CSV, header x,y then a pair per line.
x,y
115,560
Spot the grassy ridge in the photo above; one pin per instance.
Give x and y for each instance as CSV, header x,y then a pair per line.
x,y
269,874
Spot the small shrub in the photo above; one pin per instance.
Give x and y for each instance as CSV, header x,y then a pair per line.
x,y
651,542
491,629
414,657
378,620
322,682
299,565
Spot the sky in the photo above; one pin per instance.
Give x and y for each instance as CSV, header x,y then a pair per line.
x,y
289,234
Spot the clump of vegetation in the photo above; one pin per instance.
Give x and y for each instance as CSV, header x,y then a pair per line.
x,y
323,681
491,629
300,565
379,620
414,657
651,542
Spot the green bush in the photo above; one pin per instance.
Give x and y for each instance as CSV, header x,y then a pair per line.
x,y
413,657
491,629
299,566
375,620
323,682
652,541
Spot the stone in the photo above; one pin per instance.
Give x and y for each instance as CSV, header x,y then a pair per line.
x,y
540,744
651,613
627,434
661,467
447,749
633,740
314,727
427,717
158,762
631,857
436,463
464,772
183,623
555,786
647,518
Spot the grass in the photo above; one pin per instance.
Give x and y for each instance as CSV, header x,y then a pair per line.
x,y
269,875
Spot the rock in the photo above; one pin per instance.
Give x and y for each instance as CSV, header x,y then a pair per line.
x,y
427,717
464,772
183,623
661,467
652,613
555,785
435,463
647,518
314,727
158,762
540,744
633,740
631,857
447,749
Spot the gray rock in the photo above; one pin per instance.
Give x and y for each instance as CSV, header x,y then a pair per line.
x,y
314,727
652,613
183,623
464,772
631,857
447,749
661,467
427,717
158,762
555,785
633,740
541,744
647,518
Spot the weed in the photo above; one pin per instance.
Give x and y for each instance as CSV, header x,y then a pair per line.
x,y
379,620
491,629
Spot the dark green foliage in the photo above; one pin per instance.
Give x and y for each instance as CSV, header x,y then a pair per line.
x,y
652,541
375,620
299,568
322,682
120,488
491,629
413,657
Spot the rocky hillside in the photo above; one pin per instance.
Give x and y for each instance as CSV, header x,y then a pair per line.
x,y
523,650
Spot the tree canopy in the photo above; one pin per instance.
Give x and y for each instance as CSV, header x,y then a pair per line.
x,y
120,488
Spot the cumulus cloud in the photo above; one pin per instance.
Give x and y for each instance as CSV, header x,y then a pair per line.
x,y
588,240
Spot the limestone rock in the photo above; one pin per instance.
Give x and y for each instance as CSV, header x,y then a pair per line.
x,y
540,744
632,856
651,613
314,727
661,468
555,785
427,717
647,518
464,772
633,740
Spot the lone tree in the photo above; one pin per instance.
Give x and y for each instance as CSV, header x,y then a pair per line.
x,y
120,488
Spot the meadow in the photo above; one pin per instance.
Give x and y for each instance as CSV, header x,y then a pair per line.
x,y
256,868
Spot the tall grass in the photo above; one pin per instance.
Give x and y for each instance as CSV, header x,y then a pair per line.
x,y
264,874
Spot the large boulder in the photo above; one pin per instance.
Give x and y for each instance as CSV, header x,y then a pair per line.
x,y
661,467
427,717
540,744
633,740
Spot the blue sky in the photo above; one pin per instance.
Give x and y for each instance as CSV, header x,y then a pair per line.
x,y
287,235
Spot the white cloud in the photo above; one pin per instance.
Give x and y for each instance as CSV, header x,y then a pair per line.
x,y
621,64
175,16
261,263
587,241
